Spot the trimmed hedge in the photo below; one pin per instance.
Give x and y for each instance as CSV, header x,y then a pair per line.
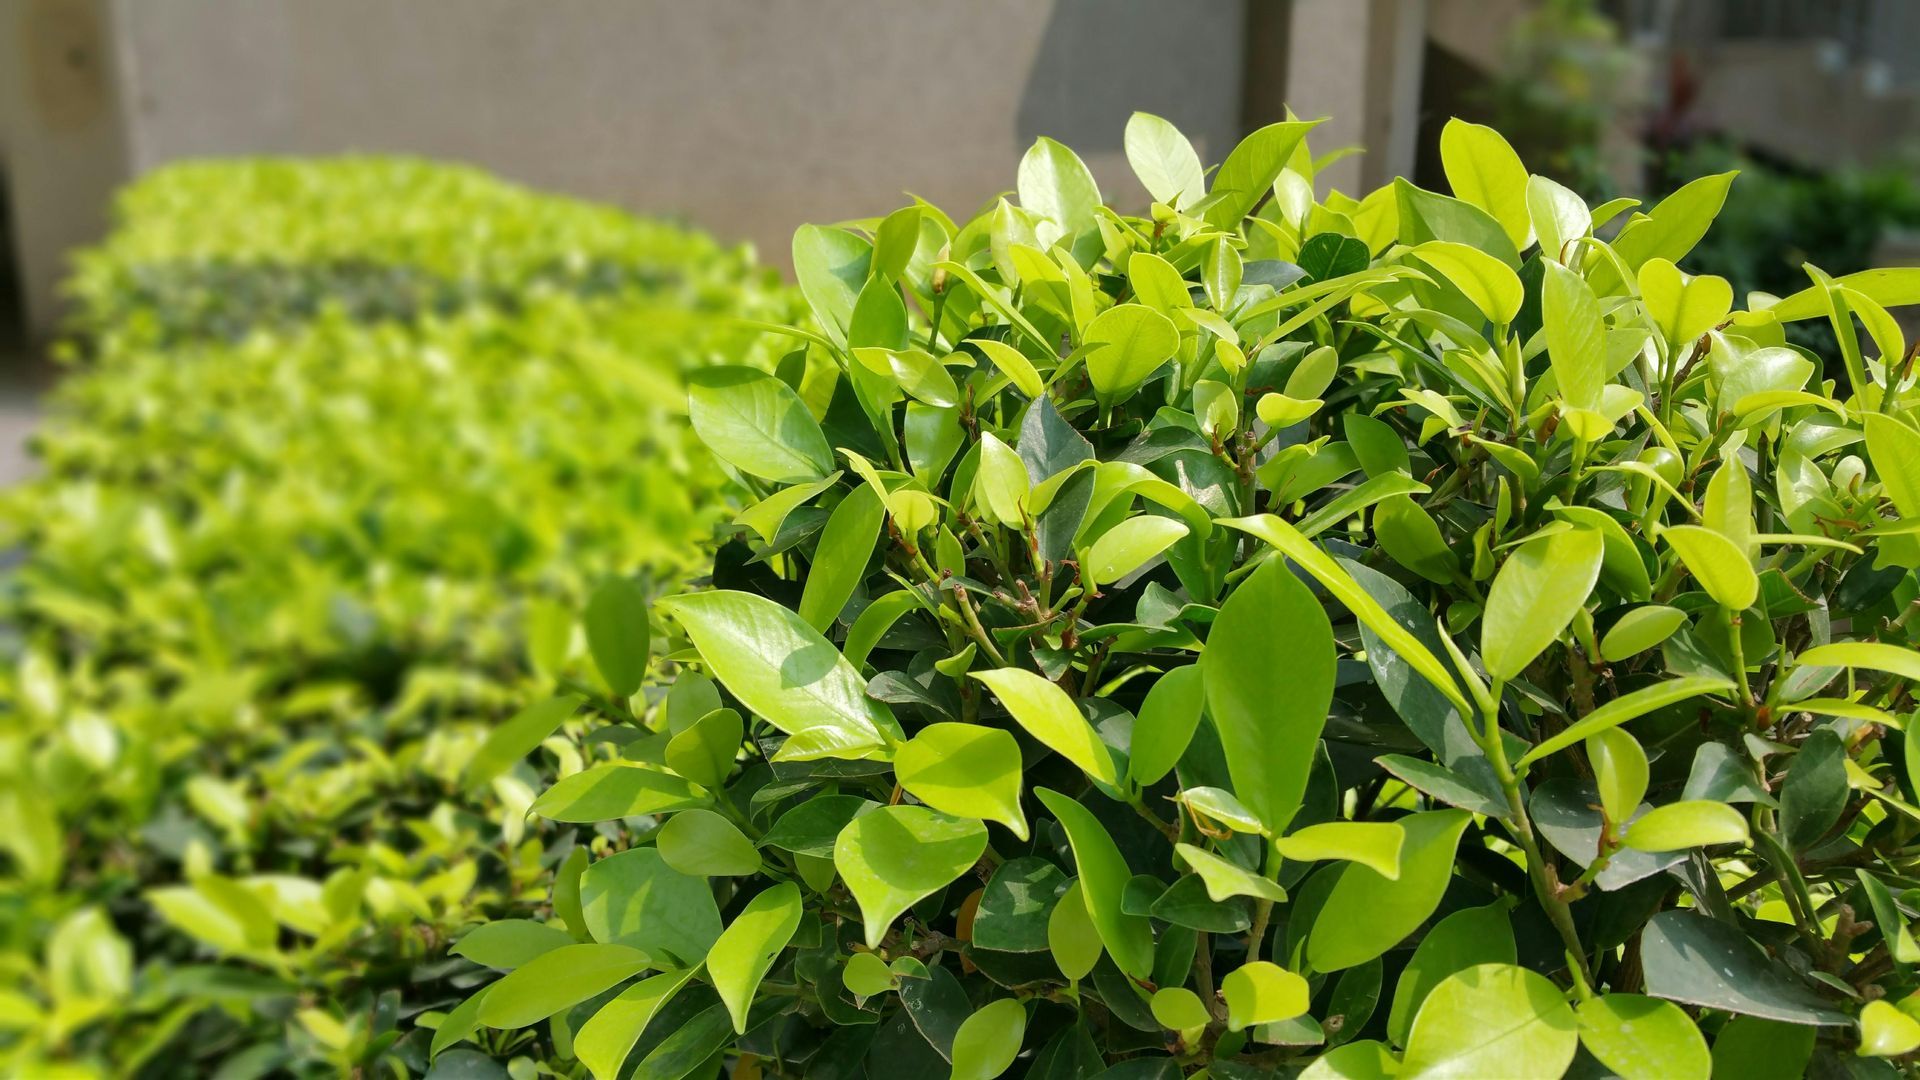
x,y
352,444
213,249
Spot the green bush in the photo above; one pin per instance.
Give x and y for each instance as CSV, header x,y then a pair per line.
x,y
1396,636
294,551
378,238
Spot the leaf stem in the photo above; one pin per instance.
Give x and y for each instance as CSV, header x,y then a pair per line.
x,y
1262,908
1545,888
972,620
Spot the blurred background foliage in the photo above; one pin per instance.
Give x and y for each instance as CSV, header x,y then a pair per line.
x,y
348,444
1629,97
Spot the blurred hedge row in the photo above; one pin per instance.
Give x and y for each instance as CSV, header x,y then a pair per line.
x,y
348,444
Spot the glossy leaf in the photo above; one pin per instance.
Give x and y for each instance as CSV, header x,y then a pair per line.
x,y
1226,879
1639,630
1395,906
604,1041
846,544
1129,545
1487,283
1049,715
1870,655
1341,584
1683,307
1072,937
509,943
1128,343
1164,161
1620,775
746,949
1576,336
1540,587
1693,959
1103,878
1374,844
1716,563
705,750
966,770
1464,939
1643,1038
634,898
1696,823
1269,727
1493,1020
896,855
1251,168
605,792
1016,905
782,669
1055,183
1887,1031
1262,993
1627,707
1166,724
1483,169
755,423
701,843
557,979
989,1040
1013,364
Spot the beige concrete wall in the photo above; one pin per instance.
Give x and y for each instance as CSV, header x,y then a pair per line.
x,y
62,136
1358,63
747,116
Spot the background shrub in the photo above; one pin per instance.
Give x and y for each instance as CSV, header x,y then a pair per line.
x,y
351,444
1281,632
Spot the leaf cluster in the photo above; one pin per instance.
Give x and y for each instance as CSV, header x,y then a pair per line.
x,y
271,590
1410,634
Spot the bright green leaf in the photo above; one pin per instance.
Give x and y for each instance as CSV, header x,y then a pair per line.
x,y
1049,715
1482,169
1128,343
603,1042
1166,724
1394,907
989,1040
896,855
1694,823
1262,993
1375,844
1540,587
556,980
783,670
748,946
1717,563
1103,877
1127,546
1269,726
966,770
1493,1020
755,423
1643,1038
1164,161
701,843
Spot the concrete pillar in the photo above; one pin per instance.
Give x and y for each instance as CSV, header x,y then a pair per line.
x,y
63,138
1358,63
